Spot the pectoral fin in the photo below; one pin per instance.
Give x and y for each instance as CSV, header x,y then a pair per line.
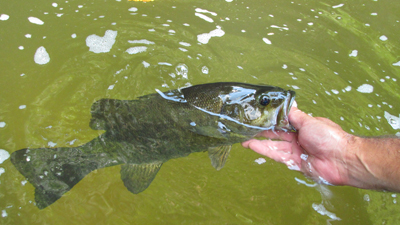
x,y
218,155
138,177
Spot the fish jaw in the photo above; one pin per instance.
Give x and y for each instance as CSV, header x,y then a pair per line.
x,y
282,122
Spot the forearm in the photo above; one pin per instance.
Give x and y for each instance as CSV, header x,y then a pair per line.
x,y
374,163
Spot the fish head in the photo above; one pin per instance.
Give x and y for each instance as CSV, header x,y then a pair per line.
x,y
261,106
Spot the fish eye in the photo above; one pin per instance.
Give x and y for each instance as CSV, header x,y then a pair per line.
x,y
264,100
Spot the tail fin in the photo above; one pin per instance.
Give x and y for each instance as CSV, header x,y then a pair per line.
x,y
54,171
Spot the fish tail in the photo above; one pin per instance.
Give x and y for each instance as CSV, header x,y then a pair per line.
x,y
54,171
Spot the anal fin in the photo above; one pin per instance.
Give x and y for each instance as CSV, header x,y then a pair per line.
x,y
218,155
137,177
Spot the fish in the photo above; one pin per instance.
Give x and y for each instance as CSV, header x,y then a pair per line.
x,y
143,133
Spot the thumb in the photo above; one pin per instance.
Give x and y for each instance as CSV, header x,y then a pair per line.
x,y
298,118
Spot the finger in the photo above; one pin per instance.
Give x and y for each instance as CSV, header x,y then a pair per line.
x,y
277,135
271,149
328,121
280,151
298,118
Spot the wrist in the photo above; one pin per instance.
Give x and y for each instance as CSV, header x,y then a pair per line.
x,y
358,162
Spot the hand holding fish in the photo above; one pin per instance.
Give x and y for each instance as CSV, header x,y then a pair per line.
x,y
323,151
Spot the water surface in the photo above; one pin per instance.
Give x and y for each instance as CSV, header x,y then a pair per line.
x,y
341,57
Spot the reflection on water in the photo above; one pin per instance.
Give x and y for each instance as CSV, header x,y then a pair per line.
x,y
57,58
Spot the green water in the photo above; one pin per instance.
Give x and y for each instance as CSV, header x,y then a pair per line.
x,y
341,57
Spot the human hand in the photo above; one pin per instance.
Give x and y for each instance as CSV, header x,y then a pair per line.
x,y
318,149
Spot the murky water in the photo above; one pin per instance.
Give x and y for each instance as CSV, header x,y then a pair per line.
x,y
58,57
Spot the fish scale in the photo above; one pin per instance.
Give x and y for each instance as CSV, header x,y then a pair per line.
x,y
142,134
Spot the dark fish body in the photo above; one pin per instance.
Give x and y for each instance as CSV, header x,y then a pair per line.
x,y
142,134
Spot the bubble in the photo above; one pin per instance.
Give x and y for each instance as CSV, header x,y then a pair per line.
x,y
2,124
365,88
35,20
353,53
142,41
4,17
205,11
205,37
267,41
323,211
136,50
133,9
22,107
304,157
396,64
204,70
51,144
99,44
4,155
392,120
41,56
383,38
4,213
337,6
260,161
182,69
145,64
204,17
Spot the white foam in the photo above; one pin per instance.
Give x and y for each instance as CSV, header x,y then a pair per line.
x,y
2,170
145,64
142,41
267,41
304,157
383,38
4,155
204,17
205,11
51,144
393,120
365,88
35,20
184,44
321,210
103,44
337,6
136,50
205,70
41,56
4,17
260,161
133,9
353,53
396,64
205,37
4,213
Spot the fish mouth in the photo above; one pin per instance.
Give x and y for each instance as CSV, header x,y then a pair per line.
x,y
283,120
